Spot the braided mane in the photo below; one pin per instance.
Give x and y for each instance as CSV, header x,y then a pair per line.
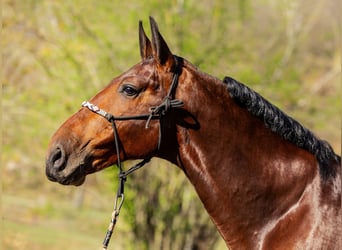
x,y
285,126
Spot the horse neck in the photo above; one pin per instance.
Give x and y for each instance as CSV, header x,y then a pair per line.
x,y
225,160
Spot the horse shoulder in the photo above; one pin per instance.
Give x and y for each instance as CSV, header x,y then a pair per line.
x,y
314,222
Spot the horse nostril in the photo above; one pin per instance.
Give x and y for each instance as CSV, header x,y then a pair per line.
x,y
58,159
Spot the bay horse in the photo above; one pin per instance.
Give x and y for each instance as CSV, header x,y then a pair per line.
x,y
265,180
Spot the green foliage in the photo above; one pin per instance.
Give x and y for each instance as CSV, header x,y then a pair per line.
x,y
163,212
58,53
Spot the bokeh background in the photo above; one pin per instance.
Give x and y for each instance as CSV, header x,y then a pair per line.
x,y
55,54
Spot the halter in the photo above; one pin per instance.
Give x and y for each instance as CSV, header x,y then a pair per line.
x,y
156,113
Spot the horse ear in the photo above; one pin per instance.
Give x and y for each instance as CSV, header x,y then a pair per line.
x,y
161,51
145,44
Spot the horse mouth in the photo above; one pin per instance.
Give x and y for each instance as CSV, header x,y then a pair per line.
x,y
76,178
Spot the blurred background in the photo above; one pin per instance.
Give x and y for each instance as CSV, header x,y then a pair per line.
x,y
56,54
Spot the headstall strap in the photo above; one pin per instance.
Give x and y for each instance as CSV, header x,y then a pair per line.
x,y
156,112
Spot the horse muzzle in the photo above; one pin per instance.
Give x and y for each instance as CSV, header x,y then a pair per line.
x,y
59,168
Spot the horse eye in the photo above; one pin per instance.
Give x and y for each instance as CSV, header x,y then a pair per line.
x,y
129,90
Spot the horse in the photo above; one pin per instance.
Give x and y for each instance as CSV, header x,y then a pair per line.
x,y
266,181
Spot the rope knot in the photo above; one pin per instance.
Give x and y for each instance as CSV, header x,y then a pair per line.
x,y
163,108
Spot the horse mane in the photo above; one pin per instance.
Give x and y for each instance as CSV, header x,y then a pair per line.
x,y
285,126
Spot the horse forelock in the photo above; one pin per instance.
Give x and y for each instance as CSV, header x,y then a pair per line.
x,y
284,125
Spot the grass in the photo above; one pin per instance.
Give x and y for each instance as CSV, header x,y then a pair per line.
x,y
44,236
35,221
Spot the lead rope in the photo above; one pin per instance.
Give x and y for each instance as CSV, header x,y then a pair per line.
x,y
120,197
120,192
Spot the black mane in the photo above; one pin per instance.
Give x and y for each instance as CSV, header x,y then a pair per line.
x,y
285,126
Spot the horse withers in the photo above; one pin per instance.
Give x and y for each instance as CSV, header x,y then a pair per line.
x,y
265,180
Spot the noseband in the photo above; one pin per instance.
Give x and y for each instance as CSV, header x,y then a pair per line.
x,y
156,113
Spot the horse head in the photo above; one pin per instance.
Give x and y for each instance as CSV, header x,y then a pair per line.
x,y
85,143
